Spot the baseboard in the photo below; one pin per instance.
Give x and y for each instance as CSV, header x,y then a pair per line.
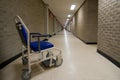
x,y
109,58
5,63
85,41
54,34
90,42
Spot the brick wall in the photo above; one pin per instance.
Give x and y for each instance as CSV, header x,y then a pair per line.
x,y
31,11
109,28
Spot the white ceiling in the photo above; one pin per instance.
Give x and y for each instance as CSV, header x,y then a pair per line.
x,y
61,8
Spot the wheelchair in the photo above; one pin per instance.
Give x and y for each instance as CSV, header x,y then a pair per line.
x,y
38,51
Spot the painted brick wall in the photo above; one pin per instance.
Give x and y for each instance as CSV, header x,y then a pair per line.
x,y
32,13
109,28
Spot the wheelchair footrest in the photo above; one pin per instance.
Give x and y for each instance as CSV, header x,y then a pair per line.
x,y
46,63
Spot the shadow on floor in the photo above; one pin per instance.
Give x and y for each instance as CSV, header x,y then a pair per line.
x,y
38,69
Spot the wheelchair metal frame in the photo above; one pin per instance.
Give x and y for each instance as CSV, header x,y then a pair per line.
x,y
53,52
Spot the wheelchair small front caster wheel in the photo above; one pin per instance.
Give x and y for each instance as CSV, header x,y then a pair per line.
x,y
58,62
26,75
24,60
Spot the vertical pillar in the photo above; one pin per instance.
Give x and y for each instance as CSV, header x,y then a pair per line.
x,y
54,27
47,19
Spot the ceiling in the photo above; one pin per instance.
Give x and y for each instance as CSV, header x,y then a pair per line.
x,y
61,8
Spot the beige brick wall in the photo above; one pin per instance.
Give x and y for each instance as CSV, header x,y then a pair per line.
x,y
32,12
109,28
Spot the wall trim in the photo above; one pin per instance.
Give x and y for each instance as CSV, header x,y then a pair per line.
x,y
5,63
109,58
85,41
91,42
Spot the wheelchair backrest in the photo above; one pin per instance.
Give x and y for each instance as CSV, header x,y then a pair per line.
x,y
22,30
22,33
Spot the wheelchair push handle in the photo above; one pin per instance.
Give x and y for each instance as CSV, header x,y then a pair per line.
x,y
17,19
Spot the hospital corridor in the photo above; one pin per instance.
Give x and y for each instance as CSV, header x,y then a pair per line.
x,y
81,62
60,40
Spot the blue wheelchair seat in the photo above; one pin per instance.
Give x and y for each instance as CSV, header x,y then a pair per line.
x,y
43,45
33,45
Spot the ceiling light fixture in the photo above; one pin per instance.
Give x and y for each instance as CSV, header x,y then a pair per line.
x,y
72,7
67,19
69,15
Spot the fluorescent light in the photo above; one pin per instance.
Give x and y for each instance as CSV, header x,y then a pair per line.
x,y
69,15
72,7
67,19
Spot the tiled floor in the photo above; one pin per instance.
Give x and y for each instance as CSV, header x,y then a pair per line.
x,y
80,62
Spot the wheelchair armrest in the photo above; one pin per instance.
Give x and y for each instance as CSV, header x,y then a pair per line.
x,y
39,35
35,33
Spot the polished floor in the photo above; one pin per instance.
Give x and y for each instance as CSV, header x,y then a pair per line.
x,y
80,62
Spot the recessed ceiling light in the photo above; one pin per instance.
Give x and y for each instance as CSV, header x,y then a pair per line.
x,y
67,19
72,7
69,15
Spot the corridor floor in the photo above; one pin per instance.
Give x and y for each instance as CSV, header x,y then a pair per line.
x,y
80,62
